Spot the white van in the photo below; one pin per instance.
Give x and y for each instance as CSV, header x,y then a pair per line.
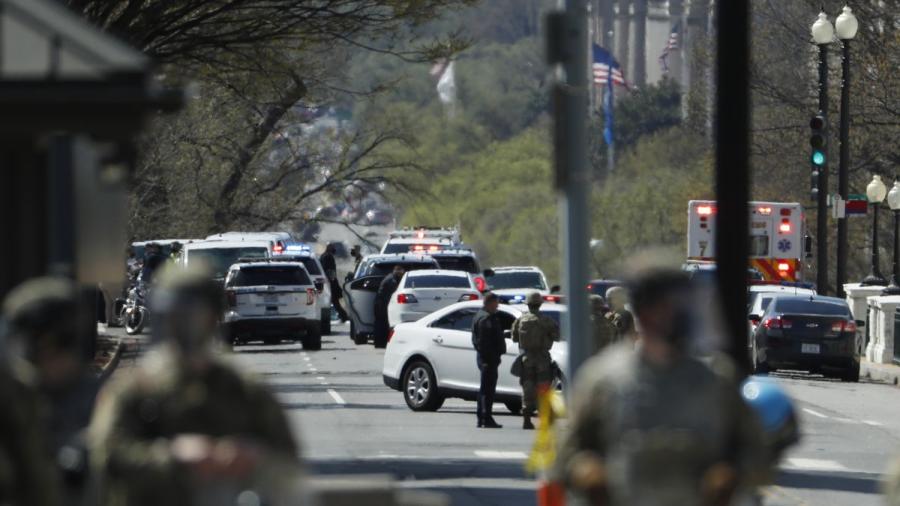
x,y
220,255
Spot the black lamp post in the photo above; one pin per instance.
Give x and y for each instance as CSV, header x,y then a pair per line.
x,y
846,26
822,34
894,203
875,192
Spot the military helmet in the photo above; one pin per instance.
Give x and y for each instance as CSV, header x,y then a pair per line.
x,y
598,303
46,308
176,284
534,299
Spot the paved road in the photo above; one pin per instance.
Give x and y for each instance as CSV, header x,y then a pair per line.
x,y
350,422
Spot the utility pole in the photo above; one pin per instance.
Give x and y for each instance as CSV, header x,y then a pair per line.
x,y
567,50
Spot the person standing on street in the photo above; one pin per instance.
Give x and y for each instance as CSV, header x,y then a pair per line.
x,y
535,334
656,427
330,266
490,345
49,323
386,290
620,317
356,254
604,330
186,427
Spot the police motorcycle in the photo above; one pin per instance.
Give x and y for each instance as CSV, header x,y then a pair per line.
x,y
134,314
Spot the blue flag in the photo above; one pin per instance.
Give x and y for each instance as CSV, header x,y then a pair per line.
x,y
608,72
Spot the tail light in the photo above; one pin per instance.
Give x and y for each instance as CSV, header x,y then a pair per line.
x,y
278,248
777,322
553,298
848,326
231,298
406,298
310,296
480,284
468,296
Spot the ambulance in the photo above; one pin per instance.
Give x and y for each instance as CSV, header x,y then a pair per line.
x,y
777,237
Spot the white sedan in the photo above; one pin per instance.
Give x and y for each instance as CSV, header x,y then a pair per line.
x,y
423,292
432,359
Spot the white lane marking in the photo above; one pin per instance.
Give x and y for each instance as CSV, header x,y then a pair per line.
x,y
336,396
814,464
306,358
873,423
494,454
845,420
814,413
320,378
313,369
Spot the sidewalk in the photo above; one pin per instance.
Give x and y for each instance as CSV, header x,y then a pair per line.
x,y
882,373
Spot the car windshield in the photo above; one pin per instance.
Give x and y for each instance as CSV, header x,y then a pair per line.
x,y
511,280
385,268
220,259
819,307
457,263
311,266
270,275
437,281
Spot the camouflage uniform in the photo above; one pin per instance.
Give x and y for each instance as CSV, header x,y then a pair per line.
x,y
619,317
27,475
654,435
605,332
140,414
535,334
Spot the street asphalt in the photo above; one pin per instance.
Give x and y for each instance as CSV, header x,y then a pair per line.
x,y
350,423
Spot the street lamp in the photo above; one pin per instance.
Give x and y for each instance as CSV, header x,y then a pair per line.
x,y
894,203
875,192
846,26
823,35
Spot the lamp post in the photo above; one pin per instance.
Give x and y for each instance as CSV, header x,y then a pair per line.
x,y
822,34
893,199
845,25
875,192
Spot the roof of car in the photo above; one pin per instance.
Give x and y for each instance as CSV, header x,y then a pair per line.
x,y
163,242
529,268
781,289
437,272
244,265
218,244
813,298
453,252
403,257
251,235
418,240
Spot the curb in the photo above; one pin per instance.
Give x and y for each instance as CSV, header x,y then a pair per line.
x,y
113,363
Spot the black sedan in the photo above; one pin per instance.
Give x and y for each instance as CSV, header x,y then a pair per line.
x,y
803,332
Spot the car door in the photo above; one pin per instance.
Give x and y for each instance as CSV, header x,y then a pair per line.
x,y
506,382
360,294
454,355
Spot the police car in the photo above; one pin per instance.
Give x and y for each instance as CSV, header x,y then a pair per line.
x,y
512,284
303,252
421,240
272,300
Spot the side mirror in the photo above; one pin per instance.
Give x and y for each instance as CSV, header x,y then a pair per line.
x,y
488,272
555,289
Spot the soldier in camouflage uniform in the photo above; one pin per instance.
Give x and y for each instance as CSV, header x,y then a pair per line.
x,y
620,317
604,330
657,427
535,334
187,428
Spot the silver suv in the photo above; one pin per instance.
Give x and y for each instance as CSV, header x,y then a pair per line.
x,y
271,301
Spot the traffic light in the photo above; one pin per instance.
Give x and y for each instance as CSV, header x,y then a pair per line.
x,y
818,141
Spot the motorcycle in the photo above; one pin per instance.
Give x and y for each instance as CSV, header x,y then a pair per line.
x,y
135,315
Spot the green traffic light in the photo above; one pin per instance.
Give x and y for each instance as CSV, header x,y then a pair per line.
x,y
818,158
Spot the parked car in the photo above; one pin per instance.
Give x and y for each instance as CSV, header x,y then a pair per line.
x,y
272,301
301,252
465,260
601,286
761,294
432,359
423,292
219,255
512,284
807,332
360,292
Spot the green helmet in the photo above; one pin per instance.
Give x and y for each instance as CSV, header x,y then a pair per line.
x,y
45,308
534,299
175,285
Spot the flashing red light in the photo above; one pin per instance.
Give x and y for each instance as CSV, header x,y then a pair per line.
x,y
784,267
433,248
765,211
785,227
553,298
481,284
231,297
278,248
418,247
704,210
406,298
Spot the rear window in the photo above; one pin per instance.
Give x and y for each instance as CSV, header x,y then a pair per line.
x,y
221,259
394,247
457,263
794,306
508,280
385,268
311,266
437,281
277,276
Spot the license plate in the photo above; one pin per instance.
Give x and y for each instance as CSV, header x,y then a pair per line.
x,y
809,348
270,298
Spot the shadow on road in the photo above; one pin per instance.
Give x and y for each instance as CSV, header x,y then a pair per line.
x,y
863,483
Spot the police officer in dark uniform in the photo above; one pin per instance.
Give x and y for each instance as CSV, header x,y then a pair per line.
x,y
386,290
490,345
330,266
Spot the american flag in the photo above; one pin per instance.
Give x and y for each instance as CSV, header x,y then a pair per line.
x,y
671,44
604,65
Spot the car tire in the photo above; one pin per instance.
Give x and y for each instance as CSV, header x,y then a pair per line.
x,y
852,374
313,339
514,407
326,322
420,387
